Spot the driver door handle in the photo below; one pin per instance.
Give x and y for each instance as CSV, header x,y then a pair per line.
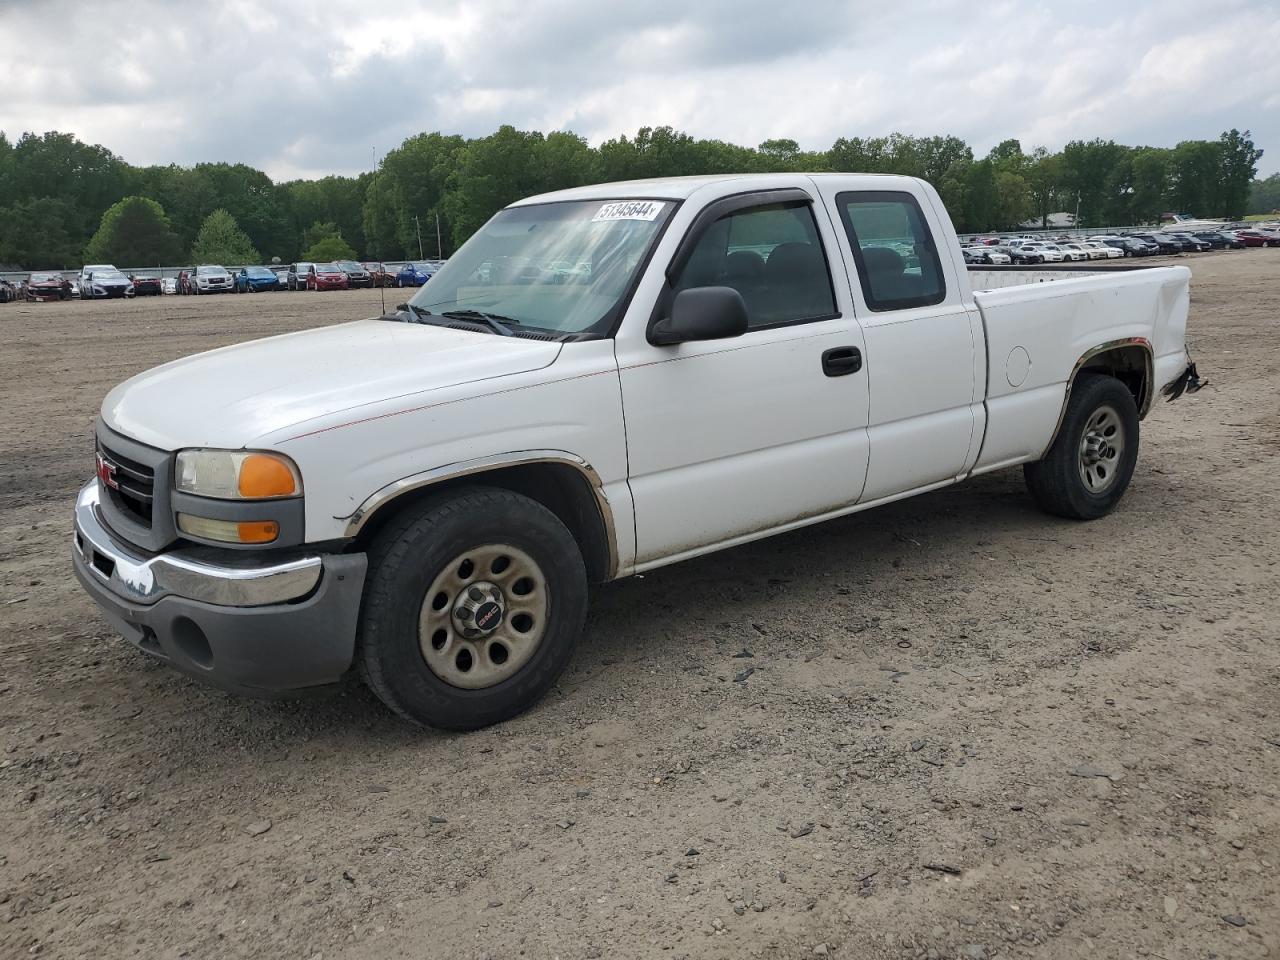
x,y
841,361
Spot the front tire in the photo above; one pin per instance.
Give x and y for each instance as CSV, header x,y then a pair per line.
x,y
474,603
1089,466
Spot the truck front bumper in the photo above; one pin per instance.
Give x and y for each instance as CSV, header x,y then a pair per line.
x,y
247,622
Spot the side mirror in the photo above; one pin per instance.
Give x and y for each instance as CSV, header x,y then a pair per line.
x,y
701,313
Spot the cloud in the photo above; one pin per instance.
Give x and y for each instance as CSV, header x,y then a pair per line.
x,y
301,90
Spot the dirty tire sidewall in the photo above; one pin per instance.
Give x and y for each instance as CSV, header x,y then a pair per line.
x,y
1055,481
406,559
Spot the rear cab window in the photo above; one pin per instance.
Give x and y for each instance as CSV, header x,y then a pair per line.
x,y
893,249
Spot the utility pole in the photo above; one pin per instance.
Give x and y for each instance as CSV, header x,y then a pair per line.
x,y
439,246
418,226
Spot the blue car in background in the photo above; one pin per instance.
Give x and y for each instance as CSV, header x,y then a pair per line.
x,y
255,280
414,274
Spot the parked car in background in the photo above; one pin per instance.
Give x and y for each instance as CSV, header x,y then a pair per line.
x,y
973,254
1258,238
381,274
298,273
102,281
8,291
1193,244
255,280
413,275
357,275
1163,241
1133,246
1030,252
1074,252
169,285
145,285
1100,251
327,276
1230,240
47,286
282,277
211,278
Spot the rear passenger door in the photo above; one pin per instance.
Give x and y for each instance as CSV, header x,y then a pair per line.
x,y
923,342
729,438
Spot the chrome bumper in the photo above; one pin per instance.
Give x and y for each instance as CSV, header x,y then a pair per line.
x,y
229,579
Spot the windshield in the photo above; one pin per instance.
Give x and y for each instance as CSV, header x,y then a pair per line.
x,y
107,274
262,272
327,268
210,271
42,278
563,267
350,265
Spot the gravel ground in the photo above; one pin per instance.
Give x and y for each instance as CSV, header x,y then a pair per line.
x,y
949,727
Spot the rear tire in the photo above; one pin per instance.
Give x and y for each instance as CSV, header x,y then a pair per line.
x,y
440,558
1089,466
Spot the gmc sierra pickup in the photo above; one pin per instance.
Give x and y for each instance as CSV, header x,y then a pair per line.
x,y
601,381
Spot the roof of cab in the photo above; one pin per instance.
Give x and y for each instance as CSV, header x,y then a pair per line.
x,y
680,188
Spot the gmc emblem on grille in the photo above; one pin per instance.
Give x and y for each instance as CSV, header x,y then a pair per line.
x,y
107,472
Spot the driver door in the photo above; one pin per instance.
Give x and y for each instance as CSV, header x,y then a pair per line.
x,y
729,439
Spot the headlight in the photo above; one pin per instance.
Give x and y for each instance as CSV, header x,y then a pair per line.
x,y
97,289
237,475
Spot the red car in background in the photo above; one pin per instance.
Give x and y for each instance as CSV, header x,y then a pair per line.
x,y
382,277
48,286
146,286
1259,238
326,276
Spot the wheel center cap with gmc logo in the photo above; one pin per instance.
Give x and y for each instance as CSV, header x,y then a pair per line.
x,y
479,610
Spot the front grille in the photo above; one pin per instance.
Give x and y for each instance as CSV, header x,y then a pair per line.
x,y
136,486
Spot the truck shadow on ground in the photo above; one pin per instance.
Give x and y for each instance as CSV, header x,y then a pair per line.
x,y
884,542
684,611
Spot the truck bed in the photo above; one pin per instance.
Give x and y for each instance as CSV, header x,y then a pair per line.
x,y
1040,323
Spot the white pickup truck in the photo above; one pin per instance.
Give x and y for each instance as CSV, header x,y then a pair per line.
x,y
601,381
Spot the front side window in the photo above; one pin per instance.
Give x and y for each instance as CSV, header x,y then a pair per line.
x,y
773,257
563,267
897,260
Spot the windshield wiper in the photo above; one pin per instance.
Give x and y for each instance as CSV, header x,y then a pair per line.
x,y
415,311
494,321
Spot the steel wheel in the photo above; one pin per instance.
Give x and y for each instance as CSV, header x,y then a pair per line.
x,y
483,616
1101,448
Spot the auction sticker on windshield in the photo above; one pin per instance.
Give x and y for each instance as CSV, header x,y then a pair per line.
x,y
629,210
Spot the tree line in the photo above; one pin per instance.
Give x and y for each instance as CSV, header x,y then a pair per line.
x,y
64,202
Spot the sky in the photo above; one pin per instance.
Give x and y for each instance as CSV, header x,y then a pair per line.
x,y
308,89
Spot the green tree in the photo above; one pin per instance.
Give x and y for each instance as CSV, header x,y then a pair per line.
x,y
411,182
335,200
1045,183
134,231
1264,195
328,249
1150,184
221,241
1194,170
87,177
40,234
1239,164
1089,180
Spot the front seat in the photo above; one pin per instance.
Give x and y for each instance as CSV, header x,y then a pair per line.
x,y
795,277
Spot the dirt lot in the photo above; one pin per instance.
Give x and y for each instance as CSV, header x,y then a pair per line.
x,y
971,730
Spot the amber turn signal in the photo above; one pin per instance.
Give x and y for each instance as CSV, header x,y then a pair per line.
x,y
264,476
229,531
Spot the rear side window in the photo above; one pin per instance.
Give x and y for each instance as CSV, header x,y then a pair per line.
x,y
897,260
773,256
